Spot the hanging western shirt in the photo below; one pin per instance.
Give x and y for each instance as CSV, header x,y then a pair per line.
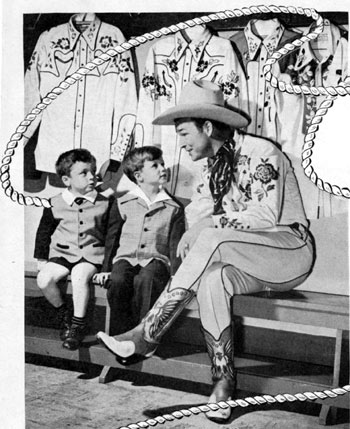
x,y
171,63
98,111
275,115
264,194
74,228
321,62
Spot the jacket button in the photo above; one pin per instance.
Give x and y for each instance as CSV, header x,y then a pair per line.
x,y
80,247
81,222
143,246
81,234
80,210
145,229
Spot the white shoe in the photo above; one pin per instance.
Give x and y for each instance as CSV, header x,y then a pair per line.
x,y
123,349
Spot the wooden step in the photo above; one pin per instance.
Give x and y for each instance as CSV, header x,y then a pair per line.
x,y
191,363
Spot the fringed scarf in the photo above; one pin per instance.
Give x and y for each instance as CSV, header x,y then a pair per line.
x,y
222,175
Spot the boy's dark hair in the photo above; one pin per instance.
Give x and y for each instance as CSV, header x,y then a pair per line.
x,y
67,159
135,160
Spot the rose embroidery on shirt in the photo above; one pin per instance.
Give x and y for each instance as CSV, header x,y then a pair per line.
x,y
265,173
122,66
62,43
229,86
154,88
172,65
106,42
202,65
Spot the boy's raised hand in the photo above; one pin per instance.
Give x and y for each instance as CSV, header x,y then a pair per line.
x,y
102,279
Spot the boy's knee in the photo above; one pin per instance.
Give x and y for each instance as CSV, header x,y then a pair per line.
x,y
45,278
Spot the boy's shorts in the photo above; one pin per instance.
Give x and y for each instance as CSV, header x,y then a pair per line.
x,y
69,265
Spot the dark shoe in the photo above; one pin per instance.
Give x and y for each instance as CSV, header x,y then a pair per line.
x,y
222,391
64,321
75,336
129,347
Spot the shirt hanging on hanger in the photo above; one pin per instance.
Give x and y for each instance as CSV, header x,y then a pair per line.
x,y
274,114
320,62
171,63
97,112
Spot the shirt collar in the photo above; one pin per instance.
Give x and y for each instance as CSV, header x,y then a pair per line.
x,y
89,35
69,197
161,196
270,42
330,36
196,46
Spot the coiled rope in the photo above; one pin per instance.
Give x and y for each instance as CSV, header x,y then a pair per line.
x,y
246,402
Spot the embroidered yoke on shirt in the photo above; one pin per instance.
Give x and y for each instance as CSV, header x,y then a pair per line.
x,y
97,112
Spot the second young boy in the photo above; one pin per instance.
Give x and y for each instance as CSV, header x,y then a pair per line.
x,y
146,225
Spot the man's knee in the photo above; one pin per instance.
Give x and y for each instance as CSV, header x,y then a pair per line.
x,y
208,236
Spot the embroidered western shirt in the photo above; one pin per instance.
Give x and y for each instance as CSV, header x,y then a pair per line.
x,y
322,62
171,63
264,193
275,115
97,112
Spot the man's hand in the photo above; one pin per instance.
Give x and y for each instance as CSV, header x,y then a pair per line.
x,y
101,279
190,236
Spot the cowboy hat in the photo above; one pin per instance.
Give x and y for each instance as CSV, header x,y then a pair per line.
x,y
203,99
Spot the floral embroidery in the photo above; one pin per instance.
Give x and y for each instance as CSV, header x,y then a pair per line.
x,y
202,65
179,45
153,87
197,49
122,66
172,65
252,46
228,223
32,59
62,43
246,190
106,42
265,172
230,86
244,160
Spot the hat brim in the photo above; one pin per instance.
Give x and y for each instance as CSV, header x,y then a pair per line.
x,y
229,116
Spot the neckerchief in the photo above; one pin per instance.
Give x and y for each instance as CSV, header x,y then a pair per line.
x,y
222,174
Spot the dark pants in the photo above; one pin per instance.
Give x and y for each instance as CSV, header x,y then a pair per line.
x,y
133,291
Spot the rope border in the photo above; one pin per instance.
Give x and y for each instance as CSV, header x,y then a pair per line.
x,y
246,402
307,151
137,41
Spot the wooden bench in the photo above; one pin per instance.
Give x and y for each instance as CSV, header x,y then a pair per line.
x,y
260,353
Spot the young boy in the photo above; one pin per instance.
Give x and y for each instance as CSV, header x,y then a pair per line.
x,y
145,227
70,240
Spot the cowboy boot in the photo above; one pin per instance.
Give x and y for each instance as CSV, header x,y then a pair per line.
x,y
142,341
223,374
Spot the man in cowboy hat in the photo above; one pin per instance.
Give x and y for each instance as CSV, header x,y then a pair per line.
x,y
247,232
